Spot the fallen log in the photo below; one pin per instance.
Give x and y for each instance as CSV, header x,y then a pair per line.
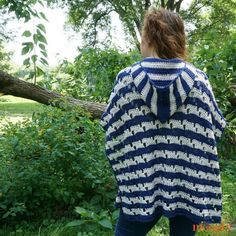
x,y
10,85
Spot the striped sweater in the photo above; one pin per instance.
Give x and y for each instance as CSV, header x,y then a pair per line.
x,y
162,126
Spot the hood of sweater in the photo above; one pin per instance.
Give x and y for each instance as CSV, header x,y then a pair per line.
x,y
164,84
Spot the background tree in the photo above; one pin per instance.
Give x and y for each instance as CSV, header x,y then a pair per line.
x,y
92,16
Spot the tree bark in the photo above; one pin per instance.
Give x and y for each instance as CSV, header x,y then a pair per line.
x,y
10,85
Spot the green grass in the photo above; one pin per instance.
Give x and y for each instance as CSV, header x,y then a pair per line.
x,y
16,109
18,106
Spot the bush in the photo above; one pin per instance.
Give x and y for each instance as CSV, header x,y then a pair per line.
x,y
51,163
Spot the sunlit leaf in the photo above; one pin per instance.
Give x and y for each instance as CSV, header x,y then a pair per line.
x,y
106,223
27,33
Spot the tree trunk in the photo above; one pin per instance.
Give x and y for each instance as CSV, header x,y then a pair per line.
x,y
19,88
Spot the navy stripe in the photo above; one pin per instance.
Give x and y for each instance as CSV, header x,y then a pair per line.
x,y
167,160
142,84
149,97
140,102
169,175
163,106
185,85
166,146
175,132
169,189
177,95
173,200
166,61
163,71
190,73
136,72
179,211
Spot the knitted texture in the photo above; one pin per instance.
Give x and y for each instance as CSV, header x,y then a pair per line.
x,y
162,126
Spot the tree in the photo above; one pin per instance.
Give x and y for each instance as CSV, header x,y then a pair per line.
x,y
13,86
10,85
94,15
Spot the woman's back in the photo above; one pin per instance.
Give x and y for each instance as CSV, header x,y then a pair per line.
x,y
162,126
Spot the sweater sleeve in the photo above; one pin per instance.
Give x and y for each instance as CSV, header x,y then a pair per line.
x,y
104,119
218,120
106,115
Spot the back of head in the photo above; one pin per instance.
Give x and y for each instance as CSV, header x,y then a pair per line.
x,y
164,31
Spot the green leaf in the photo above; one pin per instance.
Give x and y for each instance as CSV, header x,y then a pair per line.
x,y
43,16
41,38
42,27
105,223
44,53
43,61
34,58
75,223
41,3
24,50
31,75
42,46
26,62
40,71
27,33
29,44
80,210
115,214
35,38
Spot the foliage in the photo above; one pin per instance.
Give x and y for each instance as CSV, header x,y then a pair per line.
x,y
26,10
96,15
4,58
206,18
218,60
21,8
93,16
92,221
39,42
92,75
52,163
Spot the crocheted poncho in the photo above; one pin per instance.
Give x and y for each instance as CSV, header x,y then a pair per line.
x,y
162,126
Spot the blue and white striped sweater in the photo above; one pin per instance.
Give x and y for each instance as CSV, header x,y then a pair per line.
x,y
162,126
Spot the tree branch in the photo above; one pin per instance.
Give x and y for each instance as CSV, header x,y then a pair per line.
x,y
10,85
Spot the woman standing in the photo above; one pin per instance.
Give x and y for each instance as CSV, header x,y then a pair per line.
x,y
162,126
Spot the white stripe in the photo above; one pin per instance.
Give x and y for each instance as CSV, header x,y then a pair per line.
x,y
172,100
187,79
195,211
177,155
194,93
168,182
170,168
138,79
161,65
163,77
193,109
145,90
163,139
160,192
154,101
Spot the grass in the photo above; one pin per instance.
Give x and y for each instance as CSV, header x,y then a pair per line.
x,y
18,106
15,109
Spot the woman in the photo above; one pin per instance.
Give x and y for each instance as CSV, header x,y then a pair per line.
x,y
162,126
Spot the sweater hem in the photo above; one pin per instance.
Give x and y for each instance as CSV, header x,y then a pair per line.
x,y
196,219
